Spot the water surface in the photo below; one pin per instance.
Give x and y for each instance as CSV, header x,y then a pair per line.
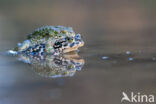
x,y
109,29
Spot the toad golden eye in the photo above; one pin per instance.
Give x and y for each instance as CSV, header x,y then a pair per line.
x,y
69,39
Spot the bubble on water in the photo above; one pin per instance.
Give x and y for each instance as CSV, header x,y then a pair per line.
x,y
105,57
128,52
130,59
154,59
11,52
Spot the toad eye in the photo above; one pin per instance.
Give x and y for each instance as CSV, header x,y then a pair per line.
x,y
69,39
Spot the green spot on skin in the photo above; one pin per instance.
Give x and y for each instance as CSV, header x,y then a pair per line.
x,y
51,33
56,32
63,32
70,67
16,49
38,37
52,74
64,73
57,72
49,50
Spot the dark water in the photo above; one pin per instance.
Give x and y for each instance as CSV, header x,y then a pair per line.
x,y
109,29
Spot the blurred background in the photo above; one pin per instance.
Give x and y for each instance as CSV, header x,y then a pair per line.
x,y
108,27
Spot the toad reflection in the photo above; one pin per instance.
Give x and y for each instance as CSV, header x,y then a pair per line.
x,y
54,66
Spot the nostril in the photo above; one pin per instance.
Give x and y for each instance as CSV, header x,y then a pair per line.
x,y
78,37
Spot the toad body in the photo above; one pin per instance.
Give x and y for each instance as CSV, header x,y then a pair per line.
x,y
51,40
